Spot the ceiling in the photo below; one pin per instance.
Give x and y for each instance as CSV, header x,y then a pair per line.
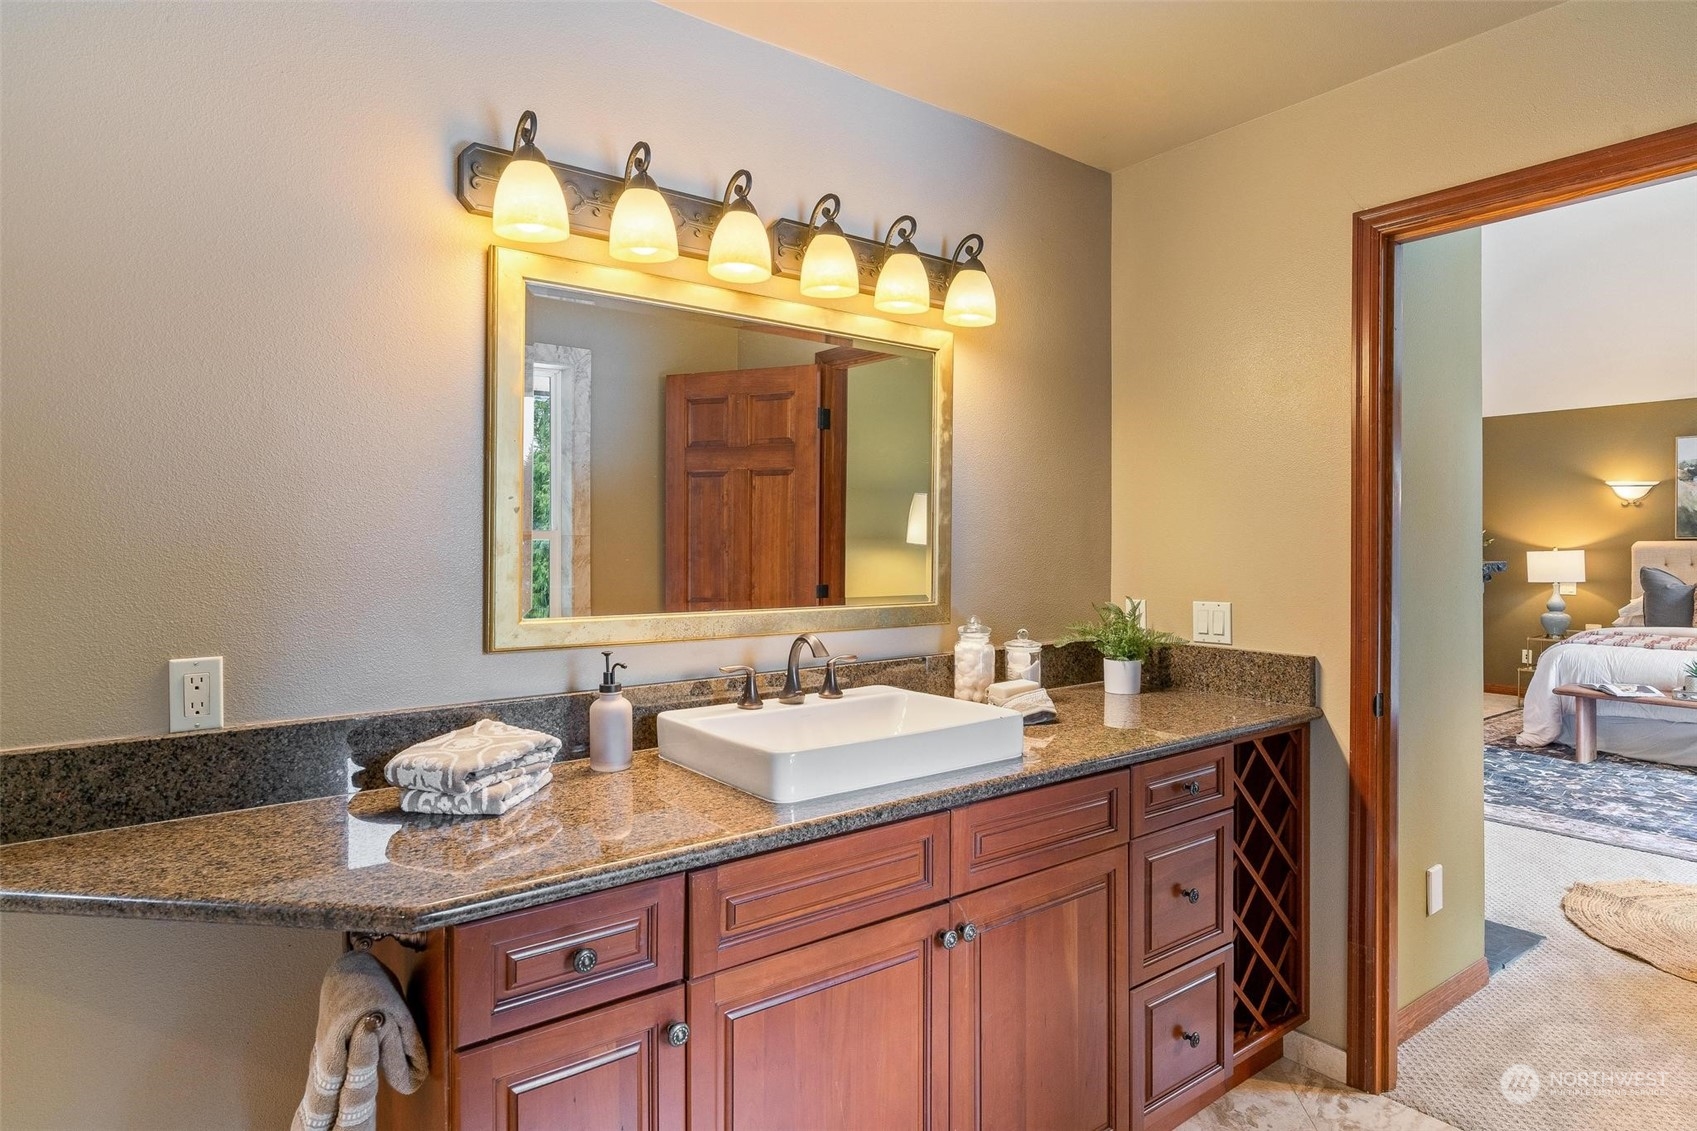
x,y
1113,81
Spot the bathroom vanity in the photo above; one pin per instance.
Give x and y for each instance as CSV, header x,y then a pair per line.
x,y
1112,950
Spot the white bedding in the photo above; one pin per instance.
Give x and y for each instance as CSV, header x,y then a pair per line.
x,y
1661,734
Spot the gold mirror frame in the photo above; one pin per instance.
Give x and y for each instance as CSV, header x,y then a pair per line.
x,y
505,630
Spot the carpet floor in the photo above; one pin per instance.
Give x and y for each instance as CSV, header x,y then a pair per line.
x,y
1583,1017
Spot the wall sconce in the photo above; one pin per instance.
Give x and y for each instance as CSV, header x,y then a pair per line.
x,y
919,519
828,266
741,251
971,300
903,285
1630,491
529,206
643,230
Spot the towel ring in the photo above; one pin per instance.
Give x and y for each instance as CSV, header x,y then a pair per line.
x,y
365,940
373,1021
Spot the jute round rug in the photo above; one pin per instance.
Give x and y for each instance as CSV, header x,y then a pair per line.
x,y
1652,919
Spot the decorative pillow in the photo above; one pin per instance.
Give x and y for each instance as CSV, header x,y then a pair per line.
x,y
1668,601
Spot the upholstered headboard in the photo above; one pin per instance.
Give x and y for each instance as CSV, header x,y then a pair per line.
x,y
1678,558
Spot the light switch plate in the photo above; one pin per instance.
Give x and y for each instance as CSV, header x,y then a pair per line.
x,y
196,691
1211,622
1434,889
1569,589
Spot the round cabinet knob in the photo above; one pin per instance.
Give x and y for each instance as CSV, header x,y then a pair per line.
x,y
949,939
1192,894
968,932
584,960
1193,1039
1193,787
677,1034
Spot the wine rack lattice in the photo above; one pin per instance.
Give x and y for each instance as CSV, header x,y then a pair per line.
x,y
1270,890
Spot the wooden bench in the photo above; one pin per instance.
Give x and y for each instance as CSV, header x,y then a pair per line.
x,y
1585,714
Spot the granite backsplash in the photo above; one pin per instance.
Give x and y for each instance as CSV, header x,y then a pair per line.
x,y
59,790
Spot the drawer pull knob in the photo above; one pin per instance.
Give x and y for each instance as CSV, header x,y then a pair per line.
x,y
1192,894
948,939
584,960
968,932
1193,787
1193,1039
677,1034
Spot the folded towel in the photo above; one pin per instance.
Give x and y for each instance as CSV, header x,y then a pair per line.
x,y
459,761
1028,698
485,801
362,1024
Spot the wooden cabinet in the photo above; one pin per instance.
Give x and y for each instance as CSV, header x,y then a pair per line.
x,y
618,1068
844,1034
1058,960
1038,997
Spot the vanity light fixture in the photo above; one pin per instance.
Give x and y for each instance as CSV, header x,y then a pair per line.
x,y
741,251
971,300
529,205
1630,491
643,230
903,285
828,266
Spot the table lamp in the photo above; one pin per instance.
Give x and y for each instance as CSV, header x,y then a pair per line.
x,y
1557,568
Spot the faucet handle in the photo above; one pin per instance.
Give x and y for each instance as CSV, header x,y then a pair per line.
x,y
831,690
750,700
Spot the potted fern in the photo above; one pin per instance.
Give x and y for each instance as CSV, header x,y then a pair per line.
x,y
1124,641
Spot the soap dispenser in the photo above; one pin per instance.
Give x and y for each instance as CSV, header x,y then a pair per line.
x,y
610,727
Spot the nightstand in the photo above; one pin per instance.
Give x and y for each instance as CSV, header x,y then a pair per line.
x,y
1535,646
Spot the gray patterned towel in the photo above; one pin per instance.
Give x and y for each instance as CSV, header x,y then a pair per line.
x,y
478,755
363,1026
485,801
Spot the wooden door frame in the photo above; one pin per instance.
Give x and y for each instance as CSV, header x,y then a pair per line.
x,y
1376,454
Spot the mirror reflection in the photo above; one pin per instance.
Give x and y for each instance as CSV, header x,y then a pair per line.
x,y
678,460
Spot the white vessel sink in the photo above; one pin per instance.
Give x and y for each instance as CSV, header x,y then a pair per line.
x,y
871,736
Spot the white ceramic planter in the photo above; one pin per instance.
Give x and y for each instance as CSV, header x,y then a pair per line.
x,y
1691,684
1122,677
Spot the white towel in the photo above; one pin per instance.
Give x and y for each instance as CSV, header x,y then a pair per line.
x,y
362,1025
461,760
485,801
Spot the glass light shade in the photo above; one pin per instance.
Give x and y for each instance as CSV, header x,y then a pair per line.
x,y
643,230
829,270
971,299
1563,567
1629,490
919,519
741,251
529,205
903,286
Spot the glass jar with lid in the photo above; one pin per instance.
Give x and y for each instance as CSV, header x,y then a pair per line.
x,y
975,661
1025,657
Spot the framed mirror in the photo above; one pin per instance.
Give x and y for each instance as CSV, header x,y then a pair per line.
x,y
672,460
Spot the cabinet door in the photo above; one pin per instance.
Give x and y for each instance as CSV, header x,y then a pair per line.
x,y
1039,1002
617,1068
846,1034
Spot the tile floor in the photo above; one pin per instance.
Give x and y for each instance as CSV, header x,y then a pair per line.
x,y
1288,1097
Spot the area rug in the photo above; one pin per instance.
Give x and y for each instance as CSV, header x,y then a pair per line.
x,y
1652,919
1614,800
1610,1041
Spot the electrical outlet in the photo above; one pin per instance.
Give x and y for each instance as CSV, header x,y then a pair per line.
x,y
1434,889
1211,622
1138,606
1526,656
196,692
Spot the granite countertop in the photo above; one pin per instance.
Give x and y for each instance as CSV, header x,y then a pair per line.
x,y
359,863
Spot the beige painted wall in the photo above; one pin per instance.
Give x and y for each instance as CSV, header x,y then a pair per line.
x,y
287,329
1440,777
1544,474
1231,297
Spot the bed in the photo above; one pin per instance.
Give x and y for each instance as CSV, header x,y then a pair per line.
x,y
1625,652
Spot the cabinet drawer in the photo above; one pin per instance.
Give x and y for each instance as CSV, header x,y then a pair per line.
x,y
1180,894
521,969
748,909
1182,1042
1023,833
615,1067
1170,791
